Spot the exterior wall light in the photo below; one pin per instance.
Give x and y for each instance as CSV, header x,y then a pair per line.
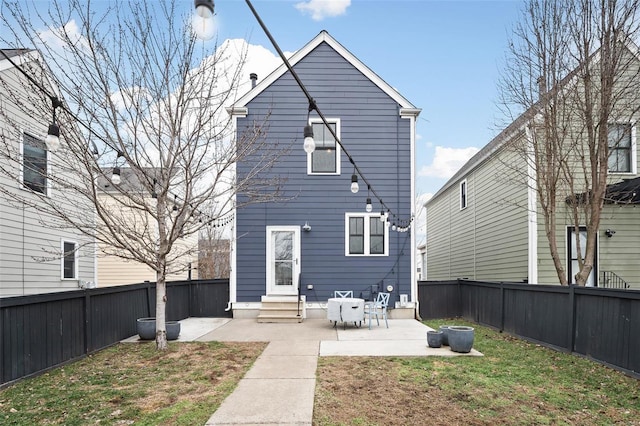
x,y
354,183
115,177
309,143
53,135
202,22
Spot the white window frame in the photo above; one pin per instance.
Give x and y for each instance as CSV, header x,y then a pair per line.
x,y
634,150
367,234
463,194
63,257
47,158
338,152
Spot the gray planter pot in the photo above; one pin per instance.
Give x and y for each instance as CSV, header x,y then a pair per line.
x,y
461,338
445,334
434,338
147,329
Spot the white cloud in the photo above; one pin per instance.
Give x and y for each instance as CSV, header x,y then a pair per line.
x,y
447,161
320,9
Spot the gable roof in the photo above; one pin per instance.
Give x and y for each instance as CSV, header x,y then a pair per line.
x,y
322,37
519,124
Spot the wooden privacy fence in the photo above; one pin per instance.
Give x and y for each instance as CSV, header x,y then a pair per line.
x,y
45,330
603,324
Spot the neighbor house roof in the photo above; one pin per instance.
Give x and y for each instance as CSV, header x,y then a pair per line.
x,y
240,106
515,127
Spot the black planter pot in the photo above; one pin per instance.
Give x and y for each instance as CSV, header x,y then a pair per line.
x,y
434,338
147,329
461,338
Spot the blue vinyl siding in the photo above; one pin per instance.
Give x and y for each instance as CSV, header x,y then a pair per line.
x,y
374,135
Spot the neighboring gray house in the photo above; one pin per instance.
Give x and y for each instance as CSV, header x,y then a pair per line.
x,y
483,225
34,256
343,247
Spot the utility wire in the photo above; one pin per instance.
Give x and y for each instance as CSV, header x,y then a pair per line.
x,y
314,106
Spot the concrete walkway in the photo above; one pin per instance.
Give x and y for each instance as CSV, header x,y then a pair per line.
x,y
279,388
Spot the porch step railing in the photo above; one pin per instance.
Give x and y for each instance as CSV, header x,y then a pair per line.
x,y
611,280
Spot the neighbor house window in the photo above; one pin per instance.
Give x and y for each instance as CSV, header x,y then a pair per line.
x,y
325,159
620,148
69,260
34,166
366,235
463,194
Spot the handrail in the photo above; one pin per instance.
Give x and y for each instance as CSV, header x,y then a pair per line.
x,y
612,280
299,292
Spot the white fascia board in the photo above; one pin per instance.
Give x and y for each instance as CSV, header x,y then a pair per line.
x,y
300,54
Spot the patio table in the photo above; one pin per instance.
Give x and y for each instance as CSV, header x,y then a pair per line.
x,y
345,309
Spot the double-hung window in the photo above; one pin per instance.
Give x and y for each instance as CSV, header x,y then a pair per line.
x,y
366,235
621,148
325,159
34,164
69,260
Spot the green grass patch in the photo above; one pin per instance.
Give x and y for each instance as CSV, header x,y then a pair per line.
x,y
132,384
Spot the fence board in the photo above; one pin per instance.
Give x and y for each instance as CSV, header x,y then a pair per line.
x,y
42,331
602,324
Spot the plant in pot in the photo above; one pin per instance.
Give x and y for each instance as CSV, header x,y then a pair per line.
x,y
147,329
461,338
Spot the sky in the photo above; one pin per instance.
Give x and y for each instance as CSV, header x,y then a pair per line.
x,y
443,56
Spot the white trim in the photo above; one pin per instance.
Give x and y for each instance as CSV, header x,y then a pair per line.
x,y
296,261
323,36
75,259
532,215
338,153
463,183
21,185
596,255
634,151
367,235
233,279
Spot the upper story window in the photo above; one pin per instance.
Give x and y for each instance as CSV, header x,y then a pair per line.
x,y
34,164
463,194
621,148
366,235
69,260
325,160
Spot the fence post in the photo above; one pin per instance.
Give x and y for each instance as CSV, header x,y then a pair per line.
x,y
572,317
88,343
149,299
501,307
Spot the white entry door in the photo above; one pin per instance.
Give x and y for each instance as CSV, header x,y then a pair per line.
x,y
283,260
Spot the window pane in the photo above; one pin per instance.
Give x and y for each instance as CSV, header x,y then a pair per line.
x,y
356,235
376,236
619,147
69,260
323,159
356,244
35,164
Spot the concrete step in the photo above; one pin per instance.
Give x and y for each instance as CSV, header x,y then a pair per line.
x,y
263,318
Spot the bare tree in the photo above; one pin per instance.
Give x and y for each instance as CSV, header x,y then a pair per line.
x,y
215,252
140,95
572,70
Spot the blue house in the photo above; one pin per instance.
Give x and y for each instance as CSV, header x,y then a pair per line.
x,y
324,237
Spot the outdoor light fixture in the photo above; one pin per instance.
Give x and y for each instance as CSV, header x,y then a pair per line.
x,y
369,206
309,143
53,135
354,183
115,177
203,19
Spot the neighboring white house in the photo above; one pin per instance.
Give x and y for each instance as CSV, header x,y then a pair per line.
x,y
114,270
37,255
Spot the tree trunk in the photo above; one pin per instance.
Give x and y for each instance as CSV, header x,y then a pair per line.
x,y
161,303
